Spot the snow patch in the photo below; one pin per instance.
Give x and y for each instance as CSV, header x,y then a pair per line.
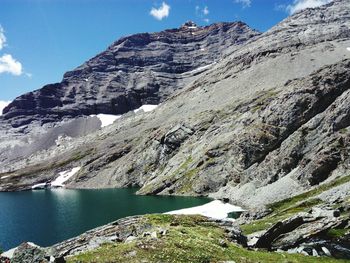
x,y
4,177
192,27
40,186
348,48
64,176
146,108
215,209
59,181
106,119
201,68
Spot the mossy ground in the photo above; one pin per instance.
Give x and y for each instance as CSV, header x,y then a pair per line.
x,y
288,207
188,239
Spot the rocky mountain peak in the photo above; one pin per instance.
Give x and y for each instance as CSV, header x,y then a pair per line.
x,y
189,24
139,69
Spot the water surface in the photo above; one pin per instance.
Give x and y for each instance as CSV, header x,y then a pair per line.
x,y
46,217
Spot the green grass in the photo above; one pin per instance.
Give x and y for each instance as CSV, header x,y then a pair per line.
x,y
189,239
337,232
290,206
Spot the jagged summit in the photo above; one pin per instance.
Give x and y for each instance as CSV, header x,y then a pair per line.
x,y
189,24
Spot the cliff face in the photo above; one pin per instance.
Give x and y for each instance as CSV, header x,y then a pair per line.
x,y
135,70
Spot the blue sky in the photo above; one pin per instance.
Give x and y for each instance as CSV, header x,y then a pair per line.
x,y
42,39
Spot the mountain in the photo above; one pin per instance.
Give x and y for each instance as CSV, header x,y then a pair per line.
x,y
135,70
266,126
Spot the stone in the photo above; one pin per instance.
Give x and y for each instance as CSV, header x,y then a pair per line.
x,y
130,239
29,253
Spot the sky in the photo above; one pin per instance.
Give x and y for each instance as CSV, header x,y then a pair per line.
x,y
42,39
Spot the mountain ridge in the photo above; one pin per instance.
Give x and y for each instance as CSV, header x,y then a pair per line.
x,y
135,70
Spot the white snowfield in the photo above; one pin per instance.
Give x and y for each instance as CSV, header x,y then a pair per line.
x,y
215,209
146,108
106,119
59,181
64,176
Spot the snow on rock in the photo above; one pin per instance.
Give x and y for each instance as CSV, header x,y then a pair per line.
x,y
40,186
64,176
146,108
215,209
200,69
106,119
348,48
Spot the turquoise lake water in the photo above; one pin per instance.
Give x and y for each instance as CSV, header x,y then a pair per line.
x,y
46,217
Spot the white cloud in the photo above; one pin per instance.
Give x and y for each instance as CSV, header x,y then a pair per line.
x,y
3,104
302,4
2,38
206,11
203,13
9,65
245,3
161,12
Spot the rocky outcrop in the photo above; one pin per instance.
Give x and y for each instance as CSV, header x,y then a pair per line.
x,y
308,233
300,228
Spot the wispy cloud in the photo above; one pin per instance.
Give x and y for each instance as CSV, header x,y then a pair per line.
x,y
10,65
206,11
302,4
244,3
3,104
2,38
161,12
203,12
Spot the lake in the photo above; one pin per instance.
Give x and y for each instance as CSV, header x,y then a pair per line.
x,y
46,217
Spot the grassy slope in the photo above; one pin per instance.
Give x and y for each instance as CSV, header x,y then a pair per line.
x,y
188,239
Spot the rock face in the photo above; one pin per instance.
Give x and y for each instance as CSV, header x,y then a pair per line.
x,y
309,233
135,70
